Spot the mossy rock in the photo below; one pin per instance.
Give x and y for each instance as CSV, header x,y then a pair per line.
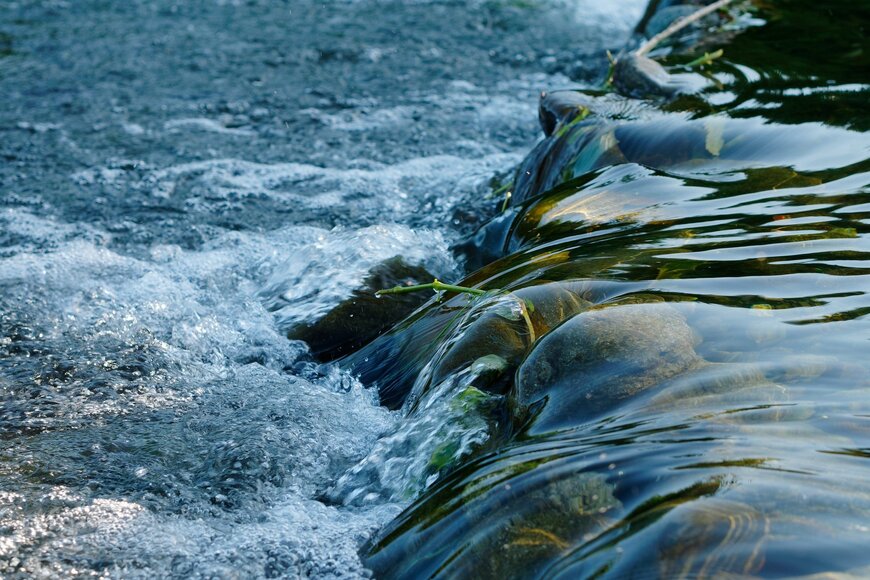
x,y
506,331
599,358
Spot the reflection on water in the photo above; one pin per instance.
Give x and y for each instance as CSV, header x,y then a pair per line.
x,y
706,412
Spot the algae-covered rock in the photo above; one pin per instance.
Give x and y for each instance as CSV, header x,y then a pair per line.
x,y
555,517
514,529
501,336
601,357
363,316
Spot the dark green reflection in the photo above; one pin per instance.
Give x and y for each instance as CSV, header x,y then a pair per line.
x,y
701,409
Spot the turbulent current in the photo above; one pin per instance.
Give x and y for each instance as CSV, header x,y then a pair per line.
x,y
181,182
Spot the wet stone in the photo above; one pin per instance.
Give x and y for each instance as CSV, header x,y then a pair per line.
x,y
501,331
640,76
497,341
549,305
487,370
561,108
599,358
555,518
363,317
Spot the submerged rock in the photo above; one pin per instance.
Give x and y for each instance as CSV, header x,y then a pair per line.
x,y
446,337
507,531
502,332
362,317
495,342
551,304
640,76
455,405
554,518
599,358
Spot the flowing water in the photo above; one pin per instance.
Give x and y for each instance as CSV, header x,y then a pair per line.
x,y
183,184
698,404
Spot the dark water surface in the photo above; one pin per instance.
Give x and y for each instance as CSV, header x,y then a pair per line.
x,y
709,417
183,183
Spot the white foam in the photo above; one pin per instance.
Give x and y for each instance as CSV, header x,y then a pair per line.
x,y
294,538
194,364
34,232
392,193
133,129
204,124
323,272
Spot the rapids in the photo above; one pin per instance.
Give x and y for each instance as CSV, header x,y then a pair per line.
x,y
180,183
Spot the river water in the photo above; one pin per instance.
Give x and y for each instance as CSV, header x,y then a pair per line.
x,y
167,168
182,183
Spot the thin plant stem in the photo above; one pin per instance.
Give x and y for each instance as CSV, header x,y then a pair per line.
x,y
435,285
524,310
439,286
679,25
507,200
707,59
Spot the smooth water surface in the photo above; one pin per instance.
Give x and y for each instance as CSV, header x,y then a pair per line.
x,y
709,414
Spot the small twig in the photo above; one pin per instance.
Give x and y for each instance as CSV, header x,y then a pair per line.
x,y
611,68
679,25
707,59
436,285
507,200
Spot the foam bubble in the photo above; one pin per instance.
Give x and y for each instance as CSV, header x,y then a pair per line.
x,y
154,422
320,274
374,193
